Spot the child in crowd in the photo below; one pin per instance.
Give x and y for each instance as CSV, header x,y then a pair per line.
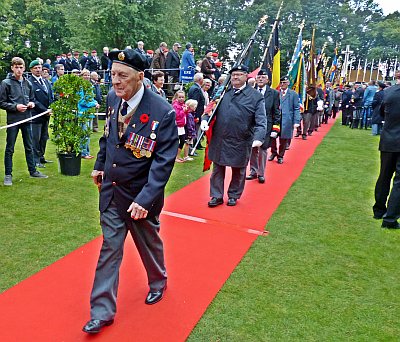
x,y
178,102
190,128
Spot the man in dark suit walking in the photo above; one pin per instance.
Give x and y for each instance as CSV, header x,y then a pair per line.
x,y
240,124
389,145
290,118
136,157
40,126
258,156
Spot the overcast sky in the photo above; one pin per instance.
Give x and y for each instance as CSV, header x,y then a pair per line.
x,y
389,6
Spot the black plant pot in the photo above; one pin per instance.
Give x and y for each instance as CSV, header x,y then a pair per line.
x,y
69,164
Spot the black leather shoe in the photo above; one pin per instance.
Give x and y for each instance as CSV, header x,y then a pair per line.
x,y
280,160
215,201
250,177
304,137
390,225
378,216
199,147
46,161
272,156
232,202
94,325
261,179
154,297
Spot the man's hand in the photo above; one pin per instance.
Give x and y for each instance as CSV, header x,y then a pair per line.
x,y
95,175
256,143
204,125
21,108
273,134
31,104
296,125
137,211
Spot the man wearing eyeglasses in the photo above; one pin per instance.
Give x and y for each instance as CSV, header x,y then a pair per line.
x,y
290,118
240,125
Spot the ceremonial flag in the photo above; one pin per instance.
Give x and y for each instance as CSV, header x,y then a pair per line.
x,y
372,70
272,61
333,67
320,71
311,77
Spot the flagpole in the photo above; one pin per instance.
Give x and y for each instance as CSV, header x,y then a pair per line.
x,y
365,68
272,32
372,69
395,66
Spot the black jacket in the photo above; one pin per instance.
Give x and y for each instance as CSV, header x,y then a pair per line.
x,y
271,98
172,62
376,108
196,93
43,99
12,94
390,135
127,178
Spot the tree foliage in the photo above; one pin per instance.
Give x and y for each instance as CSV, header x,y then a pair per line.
x,y
53,26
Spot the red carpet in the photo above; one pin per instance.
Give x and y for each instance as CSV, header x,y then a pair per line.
x,y
203,246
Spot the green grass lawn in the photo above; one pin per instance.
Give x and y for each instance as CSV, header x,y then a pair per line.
x,y
327,271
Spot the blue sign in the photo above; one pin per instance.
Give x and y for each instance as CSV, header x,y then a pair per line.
x,y
186,75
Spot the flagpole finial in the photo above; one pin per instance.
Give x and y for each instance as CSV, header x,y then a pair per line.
x,y
302,24
263,20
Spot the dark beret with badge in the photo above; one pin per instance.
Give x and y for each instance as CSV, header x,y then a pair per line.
x,y
131,58
241,67
33,63
284,79
262,72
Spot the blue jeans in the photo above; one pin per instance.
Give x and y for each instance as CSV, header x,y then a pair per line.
x,y
11,138
376,129
85,145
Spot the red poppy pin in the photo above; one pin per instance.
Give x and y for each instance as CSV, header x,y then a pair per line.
x,y
144,118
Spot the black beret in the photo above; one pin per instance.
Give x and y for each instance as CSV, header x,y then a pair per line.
x,y
262,72
284,79
240,67
130,58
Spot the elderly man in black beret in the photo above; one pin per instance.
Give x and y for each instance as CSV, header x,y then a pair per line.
x,y
136,157
258,157
240,124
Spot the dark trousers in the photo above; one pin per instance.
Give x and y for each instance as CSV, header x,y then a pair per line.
x,y
334,111
347,115
40,135
282,146
236,186
12,134
390,164
103,300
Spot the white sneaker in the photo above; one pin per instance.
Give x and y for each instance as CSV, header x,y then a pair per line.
x,y
188,159
7,180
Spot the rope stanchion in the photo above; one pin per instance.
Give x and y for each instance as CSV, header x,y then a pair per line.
x,y
25,120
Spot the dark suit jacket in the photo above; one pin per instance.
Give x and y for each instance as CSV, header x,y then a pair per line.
x,y
83,61
43,99
196,93
75,64
240,119
172,62
390,135
271,99
127,178
92,64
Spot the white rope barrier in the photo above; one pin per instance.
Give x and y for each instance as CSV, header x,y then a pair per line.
x,y
25,120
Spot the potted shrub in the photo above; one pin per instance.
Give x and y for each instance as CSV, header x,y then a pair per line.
x,y
68,132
